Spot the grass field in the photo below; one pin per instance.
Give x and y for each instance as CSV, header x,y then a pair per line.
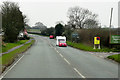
x,y
34,30
11,45
115,57
8,58
90,48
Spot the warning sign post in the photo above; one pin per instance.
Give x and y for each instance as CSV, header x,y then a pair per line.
x,y
96,42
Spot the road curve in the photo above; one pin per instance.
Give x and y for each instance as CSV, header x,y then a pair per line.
x,y
46,60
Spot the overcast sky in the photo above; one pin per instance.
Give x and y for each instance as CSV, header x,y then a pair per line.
x,y
50,11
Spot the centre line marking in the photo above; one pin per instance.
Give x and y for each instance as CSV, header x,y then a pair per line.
x,y
79,73
57,52
51,46
67,61
61,55
10,68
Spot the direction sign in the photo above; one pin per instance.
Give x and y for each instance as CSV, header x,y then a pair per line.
x,y
74,35
115,39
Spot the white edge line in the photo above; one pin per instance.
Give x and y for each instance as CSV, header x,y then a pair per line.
x,y
1,77
101,56
10,68
79,73
67,61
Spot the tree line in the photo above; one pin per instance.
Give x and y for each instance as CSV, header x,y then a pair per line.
x,y
79,18
84,25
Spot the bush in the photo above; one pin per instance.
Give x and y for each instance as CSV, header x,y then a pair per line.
x,y
12,21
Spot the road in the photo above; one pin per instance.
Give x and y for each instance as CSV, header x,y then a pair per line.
x,y
46,60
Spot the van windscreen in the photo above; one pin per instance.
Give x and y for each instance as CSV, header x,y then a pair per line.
x,y
61,40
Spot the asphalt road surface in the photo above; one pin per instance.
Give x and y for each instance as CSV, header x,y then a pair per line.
x,y
46,60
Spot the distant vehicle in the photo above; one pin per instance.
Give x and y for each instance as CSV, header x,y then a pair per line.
x,y
62,43
59,39
21,35
51,37
2,33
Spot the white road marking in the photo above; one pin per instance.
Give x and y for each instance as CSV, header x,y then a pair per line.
x,y
91,53
1,77
57,52
10,68
101,56
79,73
51,46
55,49
67,61
61,55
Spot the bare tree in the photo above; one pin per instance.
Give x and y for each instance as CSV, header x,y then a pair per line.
x,y
78,15
89,23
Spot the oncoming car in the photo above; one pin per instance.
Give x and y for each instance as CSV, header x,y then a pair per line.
x,y
62,43
51,37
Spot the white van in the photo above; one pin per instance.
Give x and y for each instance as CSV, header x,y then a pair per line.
x,y
60,38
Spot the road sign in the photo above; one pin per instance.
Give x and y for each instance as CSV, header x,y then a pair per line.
x,y
115,39
96,40
75,35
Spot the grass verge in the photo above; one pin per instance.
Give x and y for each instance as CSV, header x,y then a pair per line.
x,y
7,59
11,45
90,48
115,57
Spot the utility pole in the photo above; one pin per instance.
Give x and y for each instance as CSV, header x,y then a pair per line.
x,y
110,20
110,25
118,18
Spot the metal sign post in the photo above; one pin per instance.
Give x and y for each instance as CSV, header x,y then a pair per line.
x,y
110,25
